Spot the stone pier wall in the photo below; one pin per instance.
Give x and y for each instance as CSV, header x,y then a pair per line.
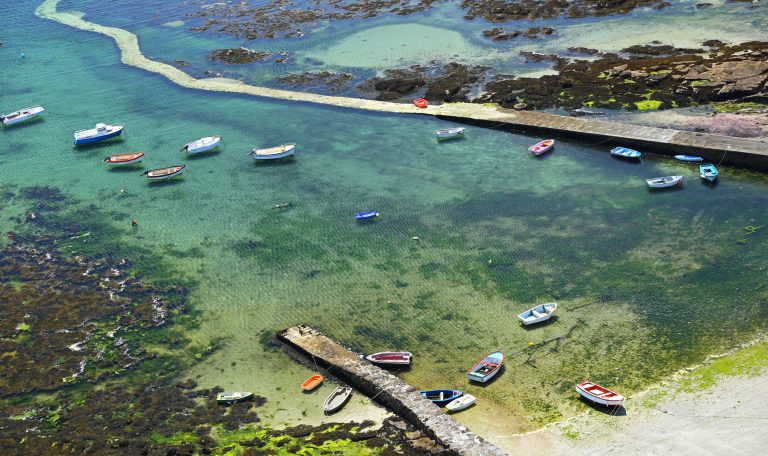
x,y
389,390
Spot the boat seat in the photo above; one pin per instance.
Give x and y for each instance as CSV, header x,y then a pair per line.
x,y
536,314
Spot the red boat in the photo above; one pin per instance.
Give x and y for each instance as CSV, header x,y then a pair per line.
x,y
420,103
312,382
124,159
542,147
597,393
393,358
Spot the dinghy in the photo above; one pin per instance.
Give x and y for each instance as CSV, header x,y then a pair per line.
x,y
486,368
273,153
542,147
101,132
231,398
420,103
598,394
391,358
164,173
366,216
22,115
708,171
312,382
202,145
460,403
623,152
124,159
441,396
689,158
449,133
663,182
337,399
537,314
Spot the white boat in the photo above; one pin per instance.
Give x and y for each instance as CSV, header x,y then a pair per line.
x,y
599,394
202,144
22,115
391,358
232,397
663,182
537,314
449,133
100,133
461,403
487,367
164,173
337,399
273,153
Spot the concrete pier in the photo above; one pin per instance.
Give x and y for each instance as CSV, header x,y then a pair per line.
x,y
389,390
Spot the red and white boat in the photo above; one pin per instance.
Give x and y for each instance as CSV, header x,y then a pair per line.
x,y
599,394
164,173
396,358
542,147
124,159
420,103
487,367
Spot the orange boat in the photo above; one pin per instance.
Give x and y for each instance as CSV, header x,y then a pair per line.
x,y
312,382
420,103
124,159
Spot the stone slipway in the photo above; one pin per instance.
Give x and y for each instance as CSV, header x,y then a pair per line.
x,y
745,152
389,390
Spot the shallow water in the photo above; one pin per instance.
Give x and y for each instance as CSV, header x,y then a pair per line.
x,y
647,282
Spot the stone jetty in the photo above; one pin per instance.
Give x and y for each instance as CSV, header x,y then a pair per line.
x,y
389,390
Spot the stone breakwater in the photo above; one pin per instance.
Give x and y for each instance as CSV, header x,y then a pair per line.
x,y
389,390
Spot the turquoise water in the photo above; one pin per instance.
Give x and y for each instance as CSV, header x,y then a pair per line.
x,y
648,282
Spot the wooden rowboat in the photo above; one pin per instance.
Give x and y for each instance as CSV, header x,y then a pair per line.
x,y
124,159
487,367
164,173
420,103
542,147
337,399
441,396
391,358
461,403
537,314
273,153
232,397
312,382
599,394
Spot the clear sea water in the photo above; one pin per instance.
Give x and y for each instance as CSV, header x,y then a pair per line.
x,y
647,282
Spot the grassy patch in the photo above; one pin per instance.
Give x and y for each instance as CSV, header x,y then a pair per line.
x,y
647,105
733,107
751,361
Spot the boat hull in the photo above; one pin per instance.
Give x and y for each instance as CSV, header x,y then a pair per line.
x,y
366,216
337,399
486,368
312,382
689,158
461,403
164,173
441,397
664,182
538,314
450,133
708,172
231,398
623,152
391,358
541,147
193,148
22,115
284,151
123,159
98,138
599,394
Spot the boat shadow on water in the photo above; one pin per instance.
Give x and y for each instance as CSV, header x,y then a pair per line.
x,y
198,156
132,168
276,162
676,188
604,409
165,182
99,145
22,125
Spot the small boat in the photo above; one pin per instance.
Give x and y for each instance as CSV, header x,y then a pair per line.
x,y
273,153
391,358
22,115
542,147
663,182
598,394
461,403
487,367
312,382
231,398
101,132
124,159
708,171
420,103
366,216
441,396
164,173
449,133
202,144
537,314
689,158
337,399
623,152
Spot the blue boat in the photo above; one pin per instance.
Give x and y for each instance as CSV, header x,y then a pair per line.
x,y
623,152
441,397
689,158
366,216
708,171
100,133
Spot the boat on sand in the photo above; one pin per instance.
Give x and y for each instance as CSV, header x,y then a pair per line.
x,y
461,403
664,182
599,394
391,358
542,147
337,399
22,115
124,159
537,314
312,382
232,397
486,368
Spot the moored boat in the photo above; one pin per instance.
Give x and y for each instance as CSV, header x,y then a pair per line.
x,y
420,103
599,394
273,153
202,144
487,367
124,159
366,216
101,132
461,403
164,173
391,358
312,382
337,399
232,397
441,396
22,115
708,171
664,182
623,152
449,133
689,158
542,147
537,314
